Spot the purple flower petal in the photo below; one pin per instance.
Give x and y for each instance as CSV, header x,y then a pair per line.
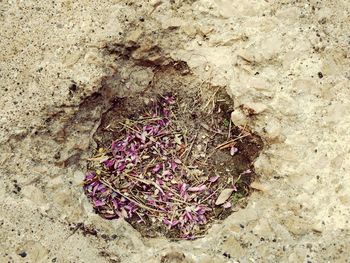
x,y
98,203
94,183
109,163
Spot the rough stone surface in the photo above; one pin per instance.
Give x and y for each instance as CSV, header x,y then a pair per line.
x,y
288,59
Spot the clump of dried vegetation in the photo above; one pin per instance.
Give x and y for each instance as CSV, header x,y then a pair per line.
x,y
164,175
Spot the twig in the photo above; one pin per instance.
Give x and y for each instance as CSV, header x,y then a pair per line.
x,y
228,143
145,181
130,199
205,199
211,130
211,98
191,146
172,218
129,127
229,130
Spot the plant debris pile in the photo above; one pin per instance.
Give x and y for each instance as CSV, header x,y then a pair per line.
x,y
147,177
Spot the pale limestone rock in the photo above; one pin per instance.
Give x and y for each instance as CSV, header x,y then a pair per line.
x,y
263,166
175,257
72,58
36,252
233,247
271,46
173,22
134,35
246,55
260,187
331,64
78,177
257,107
204,30
280,231
208,259
286,105
306,86
225,39
337,112
55,183
289,15
92,57
272,129
189,29
229,9
34,194
337,91
258,84
263,229
238,117
297,225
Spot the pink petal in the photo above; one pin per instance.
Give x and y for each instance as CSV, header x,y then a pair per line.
x,y
214,179
166,173
183,189
226,205
89,176
109,163
173,166
233,150
115,203
107,216
166,221
197,188
95,189
159,181
156,168
174,222
234,188
246,172
143,137
188,215
201,209
121,167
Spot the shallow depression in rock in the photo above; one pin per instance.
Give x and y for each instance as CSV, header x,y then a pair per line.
x,y
169,160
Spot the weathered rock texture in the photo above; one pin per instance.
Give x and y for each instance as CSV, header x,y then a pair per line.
x,y
285,63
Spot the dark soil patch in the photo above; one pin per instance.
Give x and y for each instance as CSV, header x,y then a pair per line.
x,y
208,147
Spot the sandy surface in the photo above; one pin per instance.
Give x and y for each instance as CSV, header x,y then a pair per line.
x,y
287,60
